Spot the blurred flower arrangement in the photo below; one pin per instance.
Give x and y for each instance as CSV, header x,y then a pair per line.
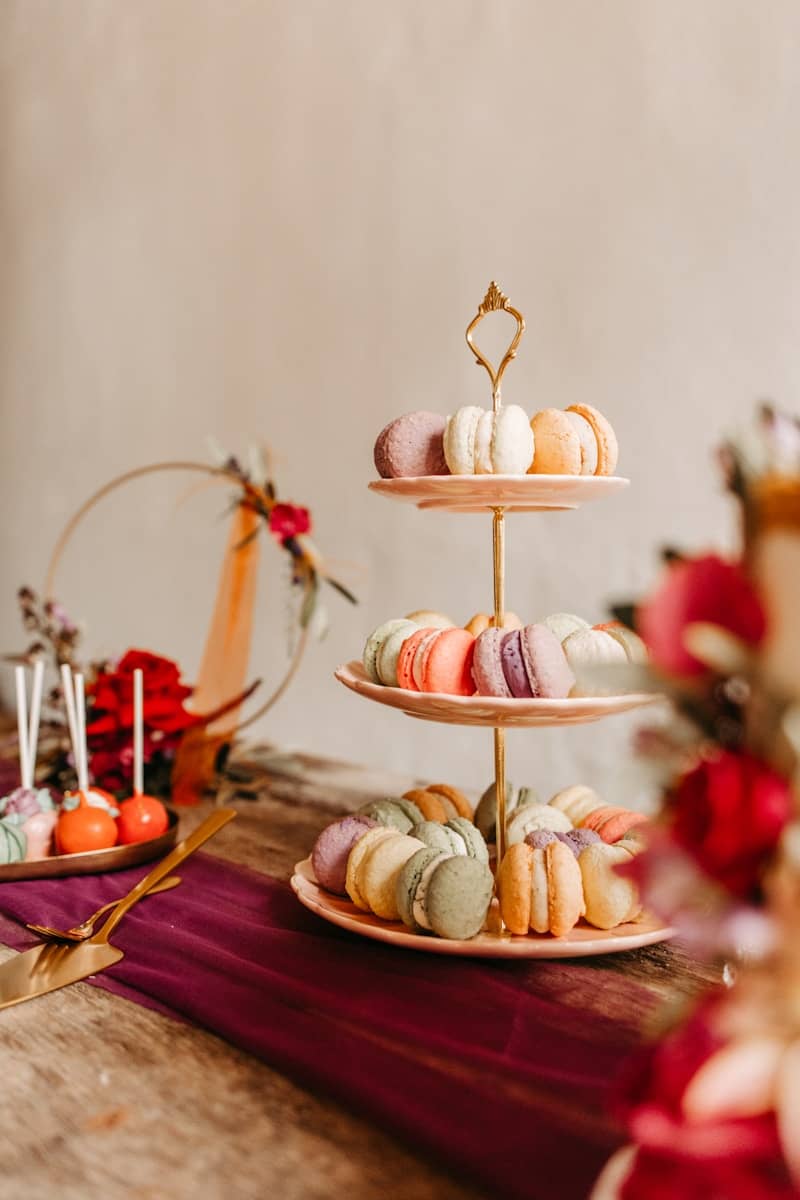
x,y
109,684
713,1107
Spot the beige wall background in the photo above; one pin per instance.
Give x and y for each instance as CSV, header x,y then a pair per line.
x,y
273,221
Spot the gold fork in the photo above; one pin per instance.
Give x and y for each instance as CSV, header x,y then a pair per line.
x,y
79,933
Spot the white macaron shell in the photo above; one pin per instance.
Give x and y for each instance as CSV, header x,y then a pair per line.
x,y
512,443
459,440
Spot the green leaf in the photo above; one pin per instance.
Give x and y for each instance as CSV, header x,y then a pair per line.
x,y
342,590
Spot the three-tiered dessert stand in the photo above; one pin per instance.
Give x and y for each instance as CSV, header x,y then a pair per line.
x,y
499,495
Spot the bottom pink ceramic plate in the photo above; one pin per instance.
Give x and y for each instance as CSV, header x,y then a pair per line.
x,y
581,942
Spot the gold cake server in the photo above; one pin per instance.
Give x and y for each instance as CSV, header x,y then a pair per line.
x,y
50,966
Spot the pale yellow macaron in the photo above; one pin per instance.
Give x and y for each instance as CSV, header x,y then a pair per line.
x,y
610,898
576,802
530,817
377,874
357,855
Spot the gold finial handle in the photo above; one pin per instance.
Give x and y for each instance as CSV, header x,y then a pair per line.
x,y
495,301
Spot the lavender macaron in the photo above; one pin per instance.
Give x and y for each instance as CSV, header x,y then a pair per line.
x,y
549,674
412,445
487,664
576,839
332,850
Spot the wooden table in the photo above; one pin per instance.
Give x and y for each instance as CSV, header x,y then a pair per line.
x,y
102,1099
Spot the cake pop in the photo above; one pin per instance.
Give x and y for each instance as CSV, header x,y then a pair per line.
x,y
86,821
141,817
28,809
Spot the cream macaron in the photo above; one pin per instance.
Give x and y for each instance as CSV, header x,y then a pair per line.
x,y
529,817
479,441
610,898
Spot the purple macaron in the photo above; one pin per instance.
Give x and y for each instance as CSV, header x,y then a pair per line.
x,y
487,664
576,839
332,850
514,665
412,445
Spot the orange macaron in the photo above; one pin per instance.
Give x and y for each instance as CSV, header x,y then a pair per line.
x,y
444,664
612,822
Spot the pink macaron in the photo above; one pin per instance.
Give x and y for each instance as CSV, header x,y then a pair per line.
x,y
549,674
487,664
412,445
405,659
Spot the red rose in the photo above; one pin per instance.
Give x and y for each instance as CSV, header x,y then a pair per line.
x,y
702,589
110,729
287,520
728,813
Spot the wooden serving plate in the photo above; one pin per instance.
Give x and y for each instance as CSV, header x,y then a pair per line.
x,y
94,862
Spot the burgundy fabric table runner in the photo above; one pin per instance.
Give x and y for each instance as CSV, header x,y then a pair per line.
x,y
500,1070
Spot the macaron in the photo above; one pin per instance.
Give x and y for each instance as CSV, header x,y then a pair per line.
x,y
611,899
563,624
409,883
430,618
451,896
540,889
514,665
480,441
405,659
558,445
411,445
534,816
545,663
420,657
631,643
430,805
576,839
486,812
612,823
375,641
576,802
587,442
459,439
591,648
456,798
393,813
378,872
358,853
487,666
389,652
481,621
456,836
444,663
607,447
332,849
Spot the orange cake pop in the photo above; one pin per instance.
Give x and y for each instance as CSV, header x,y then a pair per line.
x,y
141,817
87,827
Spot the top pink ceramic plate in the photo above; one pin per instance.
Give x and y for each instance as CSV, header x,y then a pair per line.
x,y
488,710
515,493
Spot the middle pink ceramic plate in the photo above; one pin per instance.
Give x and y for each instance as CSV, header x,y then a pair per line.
x,y
488,710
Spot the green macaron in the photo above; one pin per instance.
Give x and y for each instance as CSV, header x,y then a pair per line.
x,y
408,881
476,846
457,897
439,837
486,812
394,813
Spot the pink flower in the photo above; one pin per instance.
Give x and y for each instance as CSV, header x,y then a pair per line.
x,y
707,590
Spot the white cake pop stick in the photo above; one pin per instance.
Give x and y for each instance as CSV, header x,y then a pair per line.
x,y
34,717
72,720
22,728
80,713
138,732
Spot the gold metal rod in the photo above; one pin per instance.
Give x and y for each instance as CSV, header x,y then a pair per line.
x,y
499,573
500,785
